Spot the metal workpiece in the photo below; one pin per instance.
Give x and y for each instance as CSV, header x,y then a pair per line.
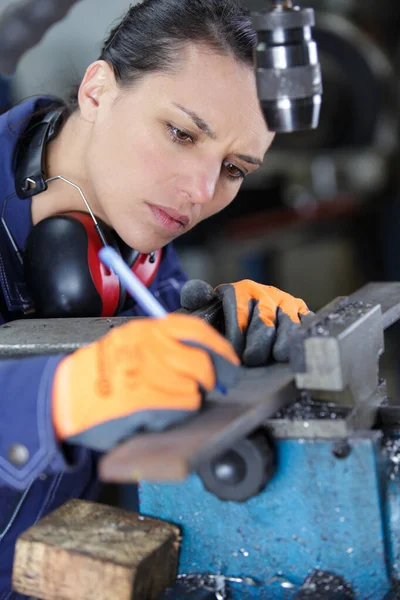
x,y
35,337
387,295
224,421
38,337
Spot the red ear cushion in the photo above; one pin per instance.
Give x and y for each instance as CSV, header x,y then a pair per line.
x,y
63,272
105,281
146,267
66,277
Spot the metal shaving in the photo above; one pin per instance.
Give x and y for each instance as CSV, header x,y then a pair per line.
x,y
320,584
392,449
213,583
346,311
307,409
210,583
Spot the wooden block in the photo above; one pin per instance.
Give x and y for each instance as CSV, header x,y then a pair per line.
x,y
89,551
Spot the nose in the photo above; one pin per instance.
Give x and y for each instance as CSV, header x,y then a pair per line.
x,y
199,184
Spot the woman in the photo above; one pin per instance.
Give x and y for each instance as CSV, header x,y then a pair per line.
x,y
166,126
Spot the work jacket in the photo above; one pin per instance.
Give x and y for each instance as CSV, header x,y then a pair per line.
x,y
37,475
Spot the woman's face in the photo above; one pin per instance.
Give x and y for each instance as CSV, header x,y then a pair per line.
x,y
174,149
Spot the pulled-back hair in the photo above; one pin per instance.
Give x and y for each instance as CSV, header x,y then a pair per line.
x,y
151,36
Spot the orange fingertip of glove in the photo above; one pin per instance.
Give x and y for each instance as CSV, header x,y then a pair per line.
x,y
269,300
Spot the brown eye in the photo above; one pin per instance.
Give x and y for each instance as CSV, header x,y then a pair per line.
x,y
233,171
180,136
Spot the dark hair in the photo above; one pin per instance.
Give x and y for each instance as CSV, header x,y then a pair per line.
x,y
153,33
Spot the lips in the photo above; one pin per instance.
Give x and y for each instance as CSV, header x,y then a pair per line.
x,y
174,214
169,218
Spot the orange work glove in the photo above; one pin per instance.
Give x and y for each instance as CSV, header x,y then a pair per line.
x,y
258,318
145,375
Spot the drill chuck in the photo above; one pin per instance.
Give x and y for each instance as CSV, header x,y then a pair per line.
x,y
288,71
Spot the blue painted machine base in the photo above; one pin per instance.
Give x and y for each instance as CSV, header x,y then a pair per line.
x,y
318,512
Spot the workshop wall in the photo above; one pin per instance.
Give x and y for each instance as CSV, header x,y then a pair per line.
x,y
58,62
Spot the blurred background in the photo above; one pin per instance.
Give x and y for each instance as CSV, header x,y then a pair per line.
x,y
322,216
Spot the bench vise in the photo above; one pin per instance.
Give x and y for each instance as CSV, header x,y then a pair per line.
x,y
289,486
307,504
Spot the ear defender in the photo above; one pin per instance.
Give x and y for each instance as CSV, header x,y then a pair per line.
x,y
60,259
66,277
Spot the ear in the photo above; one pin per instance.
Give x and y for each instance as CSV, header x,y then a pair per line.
x,y
97,83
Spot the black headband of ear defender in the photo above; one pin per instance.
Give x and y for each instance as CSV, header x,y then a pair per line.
x,y
30,156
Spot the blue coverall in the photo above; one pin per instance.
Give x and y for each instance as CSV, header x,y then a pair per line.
x,y
50,476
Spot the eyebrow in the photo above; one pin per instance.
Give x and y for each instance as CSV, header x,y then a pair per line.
x,y
249,159
207,129
198,121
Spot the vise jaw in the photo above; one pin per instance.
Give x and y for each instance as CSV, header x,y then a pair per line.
x,y
336,357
